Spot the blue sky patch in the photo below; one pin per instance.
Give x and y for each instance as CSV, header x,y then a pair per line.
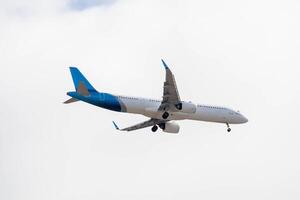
x,y
85,4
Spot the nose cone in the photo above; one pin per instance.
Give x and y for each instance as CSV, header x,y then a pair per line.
x,y
239,118
244,119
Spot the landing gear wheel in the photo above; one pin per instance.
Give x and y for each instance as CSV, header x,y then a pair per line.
x,y
165,115
179,106
154,128
228,128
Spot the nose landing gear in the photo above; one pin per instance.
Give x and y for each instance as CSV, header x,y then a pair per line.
x,y
228,128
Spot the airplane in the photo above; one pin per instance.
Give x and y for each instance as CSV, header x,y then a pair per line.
x,y
162,113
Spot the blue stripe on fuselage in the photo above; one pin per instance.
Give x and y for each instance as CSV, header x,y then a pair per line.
x,y
103,100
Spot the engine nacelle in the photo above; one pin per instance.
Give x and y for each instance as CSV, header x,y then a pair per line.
x,y
188,107
171,127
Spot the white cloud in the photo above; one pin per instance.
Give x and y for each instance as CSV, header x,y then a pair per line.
x,y
243,55
38,8
25,9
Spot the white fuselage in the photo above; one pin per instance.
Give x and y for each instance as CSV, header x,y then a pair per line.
x,y
161,112
149,108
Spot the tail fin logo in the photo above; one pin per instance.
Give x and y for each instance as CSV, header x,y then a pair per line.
x,y
80,82
82,90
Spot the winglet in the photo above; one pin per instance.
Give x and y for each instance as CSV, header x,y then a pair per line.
x,y
165,65
115,125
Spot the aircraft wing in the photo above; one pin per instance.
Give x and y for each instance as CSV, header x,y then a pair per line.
x,y
150,122
171,96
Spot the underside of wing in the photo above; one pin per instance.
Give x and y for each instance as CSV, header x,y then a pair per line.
x,y
150,122
170,93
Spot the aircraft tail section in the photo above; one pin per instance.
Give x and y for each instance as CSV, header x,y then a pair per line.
x,y
82,85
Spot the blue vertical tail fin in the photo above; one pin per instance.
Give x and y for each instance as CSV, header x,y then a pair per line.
x,y
79,79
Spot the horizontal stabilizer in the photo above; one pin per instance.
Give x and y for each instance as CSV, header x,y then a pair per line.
x,y
72,100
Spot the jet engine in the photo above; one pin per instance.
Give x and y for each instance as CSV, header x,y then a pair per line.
x,y
171,127
187,107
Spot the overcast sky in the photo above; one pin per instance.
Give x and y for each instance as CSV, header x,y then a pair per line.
x,y
239,54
